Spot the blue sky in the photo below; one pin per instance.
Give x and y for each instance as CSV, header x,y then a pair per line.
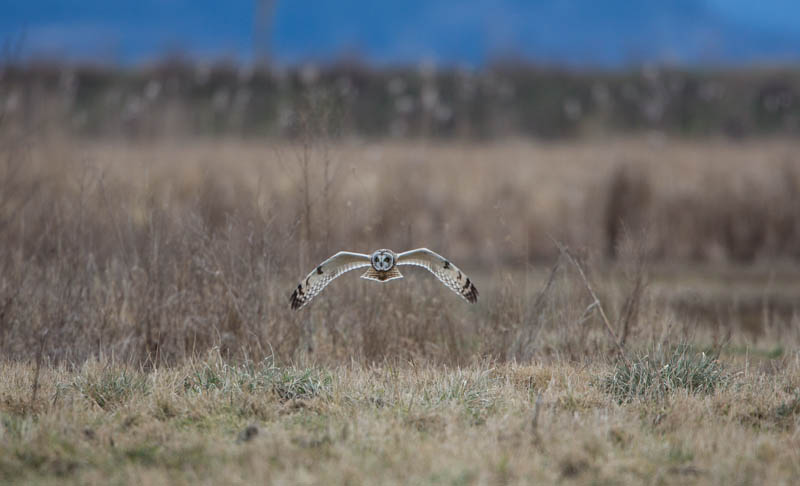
x,y
775,15
468,32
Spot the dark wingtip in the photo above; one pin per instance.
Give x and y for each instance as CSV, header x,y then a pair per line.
x,y
471,293
297,298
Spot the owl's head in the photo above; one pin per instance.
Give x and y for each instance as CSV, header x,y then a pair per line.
x,y
383,260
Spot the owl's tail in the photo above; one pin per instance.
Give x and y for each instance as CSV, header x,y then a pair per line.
x,y
391,274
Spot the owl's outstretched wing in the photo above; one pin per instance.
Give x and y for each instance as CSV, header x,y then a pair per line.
x,y
342,262
444,270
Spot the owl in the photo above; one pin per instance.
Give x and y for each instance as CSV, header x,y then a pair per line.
x,y
382,267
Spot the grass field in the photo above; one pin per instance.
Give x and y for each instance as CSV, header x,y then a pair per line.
x,y
146,334
211,422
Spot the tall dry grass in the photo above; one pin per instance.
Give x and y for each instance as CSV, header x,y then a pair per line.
x,y
638,319
156,253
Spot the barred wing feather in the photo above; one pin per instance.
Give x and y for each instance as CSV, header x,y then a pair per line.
x,y
443,269
324,273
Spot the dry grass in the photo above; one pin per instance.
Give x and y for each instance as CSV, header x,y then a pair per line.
x,y
146,334
210,422
156,253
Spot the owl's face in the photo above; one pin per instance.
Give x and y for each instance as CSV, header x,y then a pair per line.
x,y
382,260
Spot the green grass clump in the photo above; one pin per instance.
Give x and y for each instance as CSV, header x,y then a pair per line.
x,y
287,383
659,373
786,412
111,387
475,392
290,383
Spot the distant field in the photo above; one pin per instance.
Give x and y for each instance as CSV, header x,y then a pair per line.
x,y
145,321
161,251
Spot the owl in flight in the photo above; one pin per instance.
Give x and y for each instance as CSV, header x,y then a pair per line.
x,y
382,268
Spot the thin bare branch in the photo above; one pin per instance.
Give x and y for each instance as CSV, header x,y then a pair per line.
x,y
565,251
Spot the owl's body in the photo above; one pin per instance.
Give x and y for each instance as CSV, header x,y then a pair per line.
x,y
382,268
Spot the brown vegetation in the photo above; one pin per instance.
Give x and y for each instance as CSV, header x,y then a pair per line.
x,y
208,421
157,253
146,332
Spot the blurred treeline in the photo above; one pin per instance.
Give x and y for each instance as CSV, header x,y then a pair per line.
x,y
177,97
